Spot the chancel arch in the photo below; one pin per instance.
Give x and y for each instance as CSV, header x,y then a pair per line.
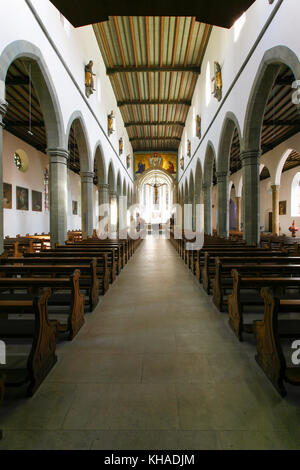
x,y
155,190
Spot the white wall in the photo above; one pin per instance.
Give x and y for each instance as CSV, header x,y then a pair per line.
x,y
230,54
285,221
18,222
76,47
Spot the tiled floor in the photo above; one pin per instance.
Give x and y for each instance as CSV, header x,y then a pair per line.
x,y
155,367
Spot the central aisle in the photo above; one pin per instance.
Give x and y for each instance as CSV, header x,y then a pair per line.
x,y
155,367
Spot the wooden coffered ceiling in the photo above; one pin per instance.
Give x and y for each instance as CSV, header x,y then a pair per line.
x,y
153,64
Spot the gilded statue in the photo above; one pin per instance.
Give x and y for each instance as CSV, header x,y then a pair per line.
x,y
218,83
110,123
89,79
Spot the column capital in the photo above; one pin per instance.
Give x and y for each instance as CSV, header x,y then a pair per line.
x,y
222,175
275,187
103,187
250,157
113,193
3,110
87,176
58,155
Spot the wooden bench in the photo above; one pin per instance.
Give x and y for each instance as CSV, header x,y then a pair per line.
x,y
1,398
88,277
65,292
122,249
223,282
40,331
113,255
269,334
207,259
102,270
246,293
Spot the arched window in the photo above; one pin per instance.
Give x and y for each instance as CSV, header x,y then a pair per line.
x,y
295,196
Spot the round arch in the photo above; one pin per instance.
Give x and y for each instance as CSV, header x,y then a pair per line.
x,y
280,166
111,177
210,159
267,73
229,125
43,85
76,120
99,164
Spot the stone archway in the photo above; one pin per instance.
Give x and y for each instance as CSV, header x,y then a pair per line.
x,y
56,141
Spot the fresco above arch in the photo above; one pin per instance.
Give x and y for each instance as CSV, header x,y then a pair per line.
x,y
147,161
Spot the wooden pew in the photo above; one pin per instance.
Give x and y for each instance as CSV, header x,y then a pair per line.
x,y
71,297
113,255
208,258
223,282
1,398
238,299
91,244
106,270
269,334
40,330
88,277
102,271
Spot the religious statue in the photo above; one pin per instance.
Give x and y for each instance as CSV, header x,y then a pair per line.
x,y
189,148
156,161
293,229
156,187
128,159
182,163
89,79
110,123
120,146
198,126
218,84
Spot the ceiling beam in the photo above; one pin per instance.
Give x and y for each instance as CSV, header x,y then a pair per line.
x,y
24,124
165,68
154,102
287,81
17,81
154,123
282,123
137,139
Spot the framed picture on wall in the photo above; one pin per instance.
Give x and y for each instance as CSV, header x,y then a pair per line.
x,y
7,196
37,201
282,208
75,207
22,199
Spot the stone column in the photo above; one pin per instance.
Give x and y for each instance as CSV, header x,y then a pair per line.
x,y
223,204
113,211
238,213
3,109
207,188
103,192
87,178
251,192
58,193
275,209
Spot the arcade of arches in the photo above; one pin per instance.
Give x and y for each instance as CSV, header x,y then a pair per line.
x,y
153,121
